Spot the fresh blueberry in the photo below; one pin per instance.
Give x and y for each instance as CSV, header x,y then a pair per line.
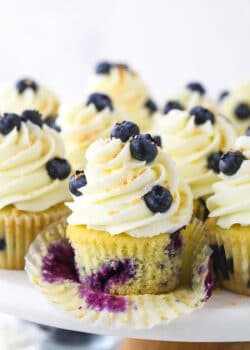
x,y
78,180
202,115
197,87
32,116
223,94
103,67
213,161
58,168
24,84
2,244
157,140
51,122
151,106
170,105
159,199
101,101
143,148
8,122
230,162
242,111
125,130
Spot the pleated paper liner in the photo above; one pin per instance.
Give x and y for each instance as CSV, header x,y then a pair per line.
x,y
51,268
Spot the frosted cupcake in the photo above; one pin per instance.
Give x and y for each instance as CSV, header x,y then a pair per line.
x,y
130,207
128,92
191,95
229,223
33,183
86,122
235,105
28,94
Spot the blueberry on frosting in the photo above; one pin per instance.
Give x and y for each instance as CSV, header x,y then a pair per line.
x,y
197,87
103,67
159,199
170,105
24,84
50,121
125,130
202,115
143,148
223,94
100,101
58,168
242,111
230,162
8,122
78,180
32,116
213,161
151,106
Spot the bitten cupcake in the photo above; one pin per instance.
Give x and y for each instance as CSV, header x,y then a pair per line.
x,y
86,122
235,105
130,210
128,92
191,95
195,140
229,223
28,94
33,183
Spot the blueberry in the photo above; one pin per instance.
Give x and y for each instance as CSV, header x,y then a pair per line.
x,y
223,94
24,84
51,122
170,105
197,87
159,199
202,115
157,140
151,106
101,101
32,116
213,161
2,244
125,130
78,180
230,162
58,168
143,148
103,67
8,122
242,111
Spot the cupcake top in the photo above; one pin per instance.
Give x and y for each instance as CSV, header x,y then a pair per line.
x,y
33,172
230,203
191,95
28,94
129,186
129,93
235,105
195,140
84,123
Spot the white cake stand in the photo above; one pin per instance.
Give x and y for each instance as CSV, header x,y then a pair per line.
x,y
225,318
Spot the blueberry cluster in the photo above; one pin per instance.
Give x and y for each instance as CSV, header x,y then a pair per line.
x,y
202,115
105,67
27,83
242,111
100,101
77,181
228,163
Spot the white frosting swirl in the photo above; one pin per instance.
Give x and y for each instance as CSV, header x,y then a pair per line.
x,y
190,146
231,202
81,125
113,201
24,180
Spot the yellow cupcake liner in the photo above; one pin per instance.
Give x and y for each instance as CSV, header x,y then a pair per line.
x,y
231,256
18,229
51,248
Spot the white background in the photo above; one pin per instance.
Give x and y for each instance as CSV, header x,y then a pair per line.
x,y
169,42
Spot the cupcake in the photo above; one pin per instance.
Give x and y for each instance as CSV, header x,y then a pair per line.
x,y
130,207
86,122
33,182
28,94
128,92
235,105
228,225
193,94
195,140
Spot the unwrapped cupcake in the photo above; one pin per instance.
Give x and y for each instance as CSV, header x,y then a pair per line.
x,y
33,183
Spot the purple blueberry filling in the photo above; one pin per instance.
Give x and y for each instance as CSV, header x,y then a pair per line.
x,y
59,263
175,245
111,273
209,281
